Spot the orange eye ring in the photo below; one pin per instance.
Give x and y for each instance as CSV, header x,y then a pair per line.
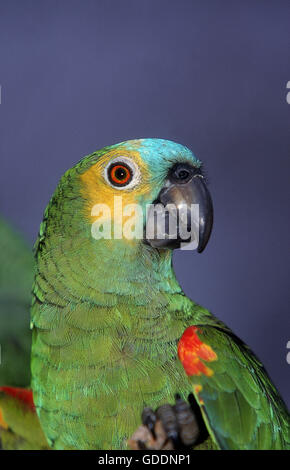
x,y
120,174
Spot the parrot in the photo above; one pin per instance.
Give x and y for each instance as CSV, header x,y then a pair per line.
x,y
112,330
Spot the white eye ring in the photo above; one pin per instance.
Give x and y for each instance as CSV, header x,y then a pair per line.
x,y
135,178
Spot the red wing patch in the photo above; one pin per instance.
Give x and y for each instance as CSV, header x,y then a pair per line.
x,y
22,394
192,352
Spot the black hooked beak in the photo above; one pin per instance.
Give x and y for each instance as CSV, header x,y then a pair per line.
x,y
173,219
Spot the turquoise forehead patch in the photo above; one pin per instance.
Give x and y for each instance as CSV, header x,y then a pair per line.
x,y
162,152
158,154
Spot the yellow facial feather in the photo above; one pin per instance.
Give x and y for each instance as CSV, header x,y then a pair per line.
x,y
96,190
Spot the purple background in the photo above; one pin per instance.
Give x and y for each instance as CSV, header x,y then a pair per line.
x,y
78,75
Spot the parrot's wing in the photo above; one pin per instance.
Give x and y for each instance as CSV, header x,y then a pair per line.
x,y
19,423
240,406
16,278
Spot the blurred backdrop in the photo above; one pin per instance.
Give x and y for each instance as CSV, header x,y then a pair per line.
x,y
78,75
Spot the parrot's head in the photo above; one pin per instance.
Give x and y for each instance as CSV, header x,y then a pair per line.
x,y
117,215
143,191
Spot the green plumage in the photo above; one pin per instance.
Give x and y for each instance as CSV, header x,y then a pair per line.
x,y
242,408
107,316
16,277
99,360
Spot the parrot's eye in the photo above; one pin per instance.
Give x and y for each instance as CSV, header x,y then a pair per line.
x,y
122,173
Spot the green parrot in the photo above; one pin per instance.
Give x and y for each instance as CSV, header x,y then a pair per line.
x,y
112,330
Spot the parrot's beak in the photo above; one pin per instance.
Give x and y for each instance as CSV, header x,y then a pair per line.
x,y
182,213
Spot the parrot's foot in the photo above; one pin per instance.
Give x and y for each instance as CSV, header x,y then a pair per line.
x,y
170,427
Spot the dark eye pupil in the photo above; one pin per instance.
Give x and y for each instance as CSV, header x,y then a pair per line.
x,y
120,173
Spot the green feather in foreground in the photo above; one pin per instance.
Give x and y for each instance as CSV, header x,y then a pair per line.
x,y
107,315
16,277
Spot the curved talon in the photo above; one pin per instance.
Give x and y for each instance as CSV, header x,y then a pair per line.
x,y
187,423
166,414
149,420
